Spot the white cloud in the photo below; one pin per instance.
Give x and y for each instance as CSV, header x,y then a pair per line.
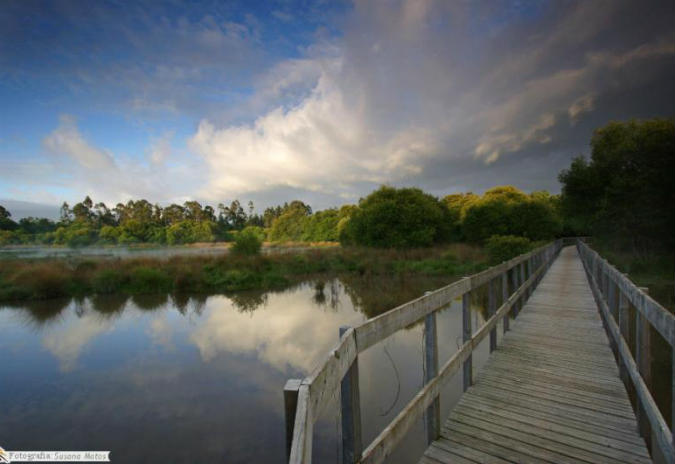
x,y
67,140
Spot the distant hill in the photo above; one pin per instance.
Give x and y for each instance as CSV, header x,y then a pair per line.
x,y
21,209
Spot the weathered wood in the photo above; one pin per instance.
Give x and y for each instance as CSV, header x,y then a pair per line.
x,y
622,309
515,285
385,442
659,427
340,366
466,336
551,392
643,360
301,448
323,382
659,318
505,296
492,307
350,408
433,412
290,405
384,325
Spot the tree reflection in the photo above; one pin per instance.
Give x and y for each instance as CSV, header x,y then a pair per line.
x,y
109,305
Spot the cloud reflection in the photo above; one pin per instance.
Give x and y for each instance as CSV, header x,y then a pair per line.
x,y
288,333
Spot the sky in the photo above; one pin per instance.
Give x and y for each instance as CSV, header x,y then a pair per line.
x,y
321,101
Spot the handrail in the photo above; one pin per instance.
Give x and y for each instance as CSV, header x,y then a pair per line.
x,y
340,365
613,291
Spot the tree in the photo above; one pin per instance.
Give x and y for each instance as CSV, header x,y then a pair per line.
x,y
625,193
291,223
506,210
6,222
398,218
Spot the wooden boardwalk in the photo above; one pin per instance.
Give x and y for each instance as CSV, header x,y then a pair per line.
x,y
551,391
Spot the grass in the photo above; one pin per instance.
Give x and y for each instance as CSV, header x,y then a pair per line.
x,y
50,278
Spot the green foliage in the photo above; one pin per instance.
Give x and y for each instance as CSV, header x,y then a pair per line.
x,y
625,193
145,279
190,231
501,248
508,211
248,241
398,218
289,226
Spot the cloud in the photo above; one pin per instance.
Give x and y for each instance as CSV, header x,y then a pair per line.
x,y
441,95
411,86
67,140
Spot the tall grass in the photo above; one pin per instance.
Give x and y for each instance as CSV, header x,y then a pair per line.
x,y
49,278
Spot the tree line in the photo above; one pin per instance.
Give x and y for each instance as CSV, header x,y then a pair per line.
x,y
624,193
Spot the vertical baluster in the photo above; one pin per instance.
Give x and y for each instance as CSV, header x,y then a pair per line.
x,y
466,336
492,304
643,360
522,282
622,309
514,280
290,406
433,412
505,296
350,404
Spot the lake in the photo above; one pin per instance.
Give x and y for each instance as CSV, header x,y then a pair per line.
x,y
189,378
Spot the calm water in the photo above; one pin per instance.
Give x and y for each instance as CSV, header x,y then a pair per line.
x,y
200,379
156,252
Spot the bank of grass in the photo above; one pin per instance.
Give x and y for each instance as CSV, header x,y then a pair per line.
x,y
50,278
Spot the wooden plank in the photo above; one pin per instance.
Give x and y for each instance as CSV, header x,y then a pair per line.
x,y
324,381
350,408
660,318
492,448
301,449
433,412
560,425
467,370
569,420
378,328
469,453
290,405
659,427
567,446
385,442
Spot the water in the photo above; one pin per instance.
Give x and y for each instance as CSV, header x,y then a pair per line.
x,y
121,252
162,378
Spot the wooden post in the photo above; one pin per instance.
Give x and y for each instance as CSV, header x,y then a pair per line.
x,y
622,308
505,296
643,360
433,412
522,281
492,308
514,279
350,403
290,405
466,336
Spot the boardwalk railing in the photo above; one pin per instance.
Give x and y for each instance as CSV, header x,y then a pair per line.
x,y
304,398
614,292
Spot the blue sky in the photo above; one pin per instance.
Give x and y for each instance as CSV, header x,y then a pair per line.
x,y
321,101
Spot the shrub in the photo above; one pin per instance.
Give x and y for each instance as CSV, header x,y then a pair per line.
x,y
149,280
398,218
504,247
108,281
248,242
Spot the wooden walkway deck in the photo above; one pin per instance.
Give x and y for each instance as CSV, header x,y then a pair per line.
x,y
551,391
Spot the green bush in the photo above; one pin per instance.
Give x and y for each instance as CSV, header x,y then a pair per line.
x,y
149,280
108,281
248,241
501,248
398,218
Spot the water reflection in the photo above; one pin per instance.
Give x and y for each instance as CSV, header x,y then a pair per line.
x,y
198,378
